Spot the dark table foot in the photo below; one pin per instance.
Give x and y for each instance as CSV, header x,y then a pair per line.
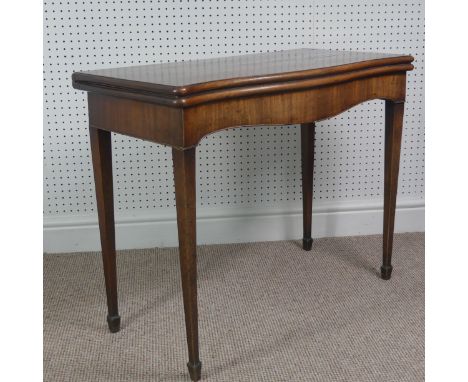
x,y
194,370
307,243
386,272
114,323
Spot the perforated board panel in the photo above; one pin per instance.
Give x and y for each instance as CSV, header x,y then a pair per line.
x,y
247,166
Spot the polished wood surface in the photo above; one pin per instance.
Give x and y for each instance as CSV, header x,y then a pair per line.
x,y
178,104
191,77
295,107
190,83
184,128
155,123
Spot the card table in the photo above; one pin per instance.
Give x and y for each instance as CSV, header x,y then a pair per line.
x,y
177,104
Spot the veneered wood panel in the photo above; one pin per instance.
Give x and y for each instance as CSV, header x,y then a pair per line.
x,y
148,121
289,108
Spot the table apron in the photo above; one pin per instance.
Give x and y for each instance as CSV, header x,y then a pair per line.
x,y
185,127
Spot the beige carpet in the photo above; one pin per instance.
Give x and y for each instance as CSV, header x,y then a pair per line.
x,y
268,312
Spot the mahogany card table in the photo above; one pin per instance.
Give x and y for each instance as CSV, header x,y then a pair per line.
x,y
177,104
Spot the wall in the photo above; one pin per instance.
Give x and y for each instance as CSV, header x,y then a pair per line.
x,y
247,191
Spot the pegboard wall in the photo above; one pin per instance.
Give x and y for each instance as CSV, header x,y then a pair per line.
x,y
247,166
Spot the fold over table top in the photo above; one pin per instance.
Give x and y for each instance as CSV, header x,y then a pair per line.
x,y
188,83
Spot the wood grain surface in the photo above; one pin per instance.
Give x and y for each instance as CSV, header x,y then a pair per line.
x,y
188,83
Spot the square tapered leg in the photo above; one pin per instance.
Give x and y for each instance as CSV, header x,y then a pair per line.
x,y
393,132
101,151
185,184
307,159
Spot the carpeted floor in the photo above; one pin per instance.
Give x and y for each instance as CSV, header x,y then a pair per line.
x,y
268,312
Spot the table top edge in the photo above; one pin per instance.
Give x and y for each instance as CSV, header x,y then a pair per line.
x,y
90,79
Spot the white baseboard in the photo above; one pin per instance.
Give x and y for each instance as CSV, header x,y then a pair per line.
x,y
158,229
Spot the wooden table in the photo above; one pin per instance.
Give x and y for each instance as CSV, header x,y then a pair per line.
x,y
177,104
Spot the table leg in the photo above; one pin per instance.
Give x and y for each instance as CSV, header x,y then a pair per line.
x,y
185,184
101,150
393,131
307,158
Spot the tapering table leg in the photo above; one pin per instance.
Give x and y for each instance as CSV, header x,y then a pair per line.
x,y
307,158
101,150
185,184
393,131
